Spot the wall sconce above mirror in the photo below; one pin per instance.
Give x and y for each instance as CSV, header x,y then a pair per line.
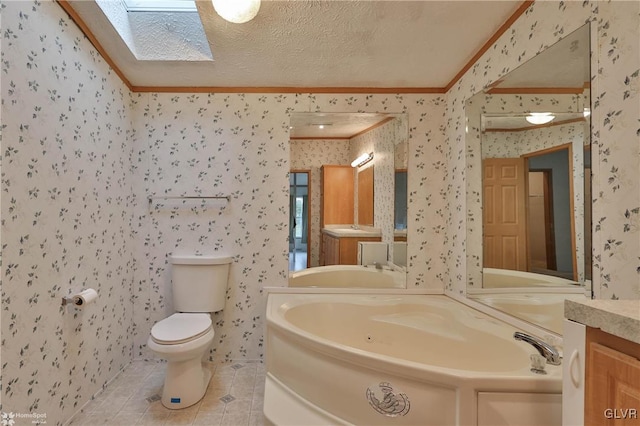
x,y
357,207
540,117
362,159
528,185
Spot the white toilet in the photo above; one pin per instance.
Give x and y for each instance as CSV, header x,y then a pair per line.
x,y
199,286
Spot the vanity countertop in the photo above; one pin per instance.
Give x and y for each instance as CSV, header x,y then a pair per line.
x,y
618,317
341,231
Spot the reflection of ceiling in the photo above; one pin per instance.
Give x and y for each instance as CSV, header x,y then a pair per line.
x,y
336,126
564,68
312,44
563,65
513,122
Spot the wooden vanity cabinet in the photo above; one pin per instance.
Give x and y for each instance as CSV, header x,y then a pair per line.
x,y
612,391
336,195
337,207
329,250
342,251
365,197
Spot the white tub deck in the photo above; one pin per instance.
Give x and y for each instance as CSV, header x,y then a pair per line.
x,y
348,276
505,278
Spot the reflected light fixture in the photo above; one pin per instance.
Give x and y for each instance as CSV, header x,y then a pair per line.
x,y
539,117
362,160
237,11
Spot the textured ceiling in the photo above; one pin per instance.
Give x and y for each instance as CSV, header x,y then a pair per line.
x,y
399,44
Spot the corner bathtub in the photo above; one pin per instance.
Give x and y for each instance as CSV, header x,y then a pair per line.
x,y
345,276
401,360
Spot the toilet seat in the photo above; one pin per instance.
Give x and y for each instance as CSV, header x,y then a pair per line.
x,y
181,328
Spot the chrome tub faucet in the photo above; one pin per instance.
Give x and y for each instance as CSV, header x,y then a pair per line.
x,y
550,353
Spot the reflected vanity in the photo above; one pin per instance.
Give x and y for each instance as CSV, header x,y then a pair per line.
x,y
357,209
528,186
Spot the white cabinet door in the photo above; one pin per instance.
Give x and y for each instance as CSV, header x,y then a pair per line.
x,y
522,409
573,371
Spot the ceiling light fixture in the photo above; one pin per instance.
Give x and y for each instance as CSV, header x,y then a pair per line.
x,y
362,160
237,11
321,125
539,117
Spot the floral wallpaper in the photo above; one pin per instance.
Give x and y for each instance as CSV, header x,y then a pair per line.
x,y
615,107
67,207
238,145
81,155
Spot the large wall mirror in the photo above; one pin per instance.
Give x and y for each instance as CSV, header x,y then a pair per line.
x,y
348,199
528,185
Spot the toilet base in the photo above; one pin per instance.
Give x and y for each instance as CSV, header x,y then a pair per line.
x,y
185,383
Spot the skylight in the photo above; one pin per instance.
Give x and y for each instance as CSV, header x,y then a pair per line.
x,y
154,32
160,5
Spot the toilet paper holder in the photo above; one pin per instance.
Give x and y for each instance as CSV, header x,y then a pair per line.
x,y
81,299
71,301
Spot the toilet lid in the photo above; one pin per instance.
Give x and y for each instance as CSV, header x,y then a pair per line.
x,y
180,328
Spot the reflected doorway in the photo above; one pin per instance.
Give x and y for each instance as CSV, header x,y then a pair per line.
x,y
540,220
549,210
299,219
527,200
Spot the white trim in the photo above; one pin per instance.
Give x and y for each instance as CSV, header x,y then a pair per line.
x,y
160,5
573,371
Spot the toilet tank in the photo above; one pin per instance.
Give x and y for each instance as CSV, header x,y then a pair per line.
x,y
199,283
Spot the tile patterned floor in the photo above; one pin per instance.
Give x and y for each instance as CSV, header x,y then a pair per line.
x,y
234,397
